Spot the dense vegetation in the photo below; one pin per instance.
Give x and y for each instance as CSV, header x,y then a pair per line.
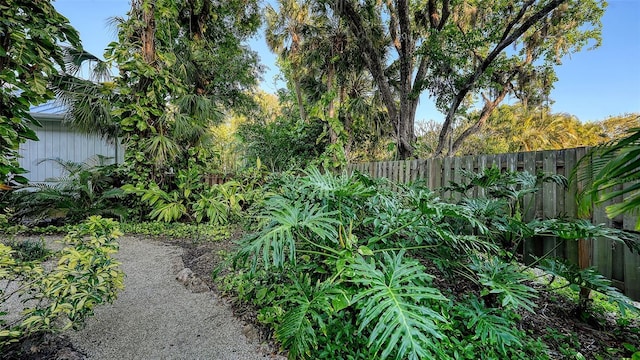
x,y
86,275
338,266
29,53
348,267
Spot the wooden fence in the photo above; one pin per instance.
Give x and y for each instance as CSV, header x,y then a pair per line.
x,y
613,260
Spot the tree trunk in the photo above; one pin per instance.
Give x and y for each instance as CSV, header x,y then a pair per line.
x,y
331,107
303,113
148,33
405,52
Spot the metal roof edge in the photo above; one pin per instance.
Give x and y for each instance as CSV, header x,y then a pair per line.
x,y
47,117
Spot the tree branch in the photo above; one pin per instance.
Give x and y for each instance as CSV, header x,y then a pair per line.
x,y
393,26
506,40
487,109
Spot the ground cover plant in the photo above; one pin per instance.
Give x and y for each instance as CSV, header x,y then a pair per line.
x,y
349,267
84,276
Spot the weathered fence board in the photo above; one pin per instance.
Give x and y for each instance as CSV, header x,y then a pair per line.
x,y
612,260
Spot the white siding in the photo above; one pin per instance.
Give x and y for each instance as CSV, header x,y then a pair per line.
x,y
58,141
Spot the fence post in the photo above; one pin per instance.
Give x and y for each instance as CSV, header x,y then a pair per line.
x,y
631,263
549,208
572,248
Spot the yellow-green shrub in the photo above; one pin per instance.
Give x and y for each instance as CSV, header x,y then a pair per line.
x,y
86,275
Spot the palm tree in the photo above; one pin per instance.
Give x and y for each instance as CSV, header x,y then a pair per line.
x,y
86,92
169,90
284,36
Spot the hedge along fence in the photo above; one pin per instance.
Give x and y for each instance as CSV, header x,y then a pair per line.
x,y
614,261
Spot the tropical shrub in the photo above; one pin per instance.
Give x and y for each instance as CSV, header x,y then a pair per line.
x,y
84,189
504,208
29,57
283,143
86,275
353,258
191,200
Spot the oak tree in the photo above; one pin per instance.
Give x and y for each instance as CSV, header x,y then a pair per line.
x,y
466,54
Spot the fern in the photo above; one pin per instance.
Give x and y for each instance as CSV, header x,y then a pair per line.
x,y
394,300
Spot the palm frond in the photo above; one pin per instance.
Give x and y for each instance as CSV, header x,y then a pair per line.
x,y
87,104
608,171
161,149
75,58
396,306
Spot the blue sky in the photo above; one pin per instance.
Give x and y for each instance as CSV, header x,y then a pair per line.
x,y
592,84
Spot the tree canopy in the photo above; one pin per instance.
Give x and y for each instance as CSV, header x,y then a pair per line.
x,y
465,54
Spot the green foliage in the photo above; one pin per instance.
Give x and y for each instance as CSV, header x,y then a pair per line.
x,y
397,303
290,228
178,230
30,33
165,206
311,305
504,285
610,171
29,250
170,56
86,275
568,344
525,127
84,189
312,227
489,331
343,257
587,278
218,204
282,144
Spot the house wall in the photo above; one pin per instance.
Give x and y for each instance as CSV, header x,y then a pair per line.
x,y
58,141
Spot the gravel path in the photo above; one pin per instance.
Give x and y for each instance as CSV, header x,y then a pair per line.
x,y
156,317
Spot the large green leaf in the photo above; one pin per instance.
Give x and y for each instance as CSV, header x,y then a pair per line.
x,y
397,306
297,332
288,226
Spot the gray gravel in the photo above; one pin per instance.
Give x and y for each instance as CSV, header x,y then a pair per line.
x,y
156,317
